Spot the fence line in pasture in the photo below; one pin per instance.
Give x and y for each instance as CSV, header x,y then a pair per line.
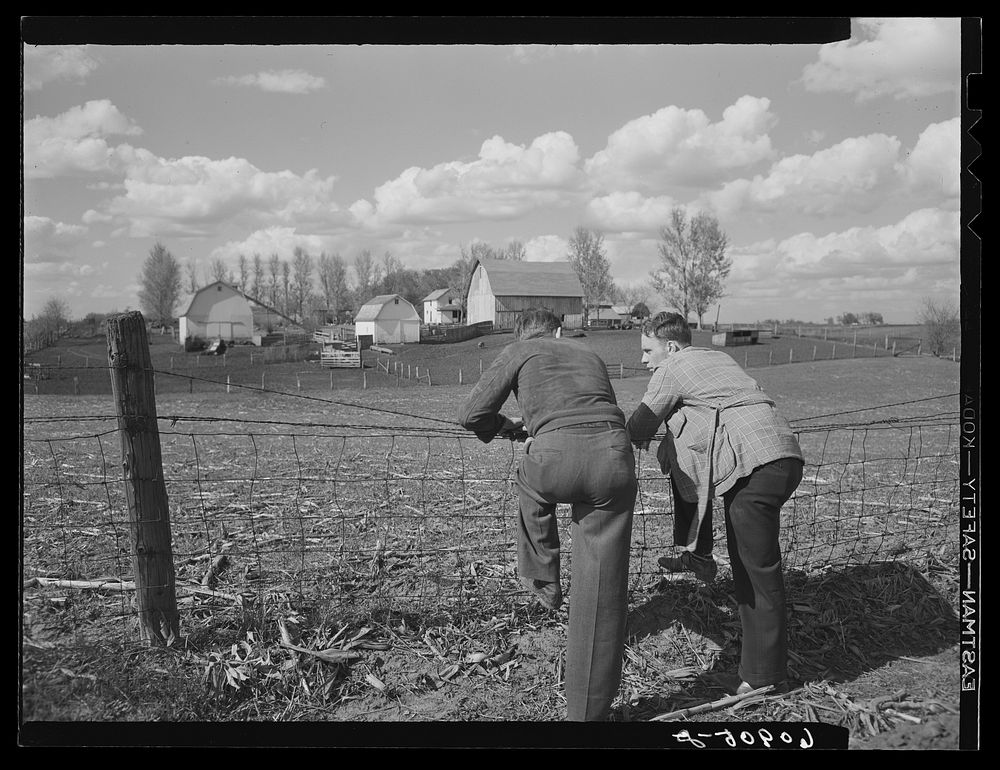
x,y
212,373
368,519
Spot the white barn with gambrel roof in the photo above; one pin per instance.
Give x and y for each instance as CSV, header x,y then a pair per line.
x,y
388,319
216,311
499,289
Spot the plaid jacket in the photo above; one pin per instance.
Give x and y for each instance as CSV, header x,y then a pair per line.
x,y
720,425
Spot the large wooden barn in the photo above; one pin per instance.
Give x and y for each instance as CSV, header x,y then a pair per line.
x,y
499,289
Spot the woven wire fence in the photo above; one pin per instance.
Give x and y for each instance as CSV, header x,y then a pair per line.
x,y
366,522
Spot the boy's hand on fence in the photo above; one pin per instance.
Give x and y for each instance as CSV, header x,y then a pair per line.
x,y
513,429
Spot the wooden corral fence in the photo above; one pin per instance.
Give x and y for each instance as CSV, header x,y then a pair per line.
x,y
438,333
335,352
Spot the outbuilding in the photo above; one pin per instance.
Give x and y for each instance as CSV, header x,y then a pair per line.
x,y
440,308
499,289
388,319
217,311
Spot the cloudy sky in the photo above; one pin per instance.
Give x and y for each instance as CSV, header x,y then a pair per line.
x,y
832,167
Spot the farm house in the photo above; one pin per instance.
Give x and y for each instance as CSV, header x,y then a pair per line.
x,y
440,308
499,289
217,311
388,319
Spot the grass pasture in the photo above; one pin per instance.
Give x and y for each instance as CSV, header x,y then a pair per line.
x,y
346,555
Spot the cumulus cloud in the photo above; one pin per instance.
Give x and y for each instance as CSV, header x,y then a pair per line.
x,y
850,175
268,241
283,81
505,181
49,241
935,163
883,267
899,57
923,237
546,248
74,142
187,196
629,212
674,146
48,63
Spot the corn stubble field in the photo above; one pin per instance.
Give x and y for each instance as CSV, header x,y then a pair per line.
x,y
347,555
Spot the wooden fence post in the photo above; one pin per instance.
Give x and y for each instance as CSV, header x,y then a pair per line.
x,y
227,383
621,370
364,380
145,490
262,380
814,352
460,375
746,358
480,366
770,357
790,352
76,386
833,353
894,348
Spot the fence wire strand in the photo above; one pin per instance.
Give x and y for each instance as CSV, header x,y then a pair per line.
x,y
365,520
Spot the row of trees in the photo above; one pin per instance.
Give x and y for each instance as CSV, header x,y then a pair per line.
x,y
850,319
690,275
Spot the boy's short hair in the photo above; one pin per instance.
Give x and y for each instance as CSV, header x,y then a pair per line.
x,y
667,326
535,322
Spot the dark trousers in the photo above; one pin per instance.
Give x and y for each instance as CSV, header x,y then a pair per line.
x,y
592,468
753,522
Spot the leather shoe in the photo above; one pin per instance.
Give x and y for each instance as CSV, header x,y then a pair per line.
x,y
703,567
549,594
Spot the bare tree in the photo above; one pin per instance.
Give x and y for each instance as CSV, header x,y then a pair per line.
x,y
513,251
303,280
391,278
586,255
220,272
54,317
243,269
333,282
630,294
942,325
257,271
191,268
363,267
273,271
693,263
161,285
286,283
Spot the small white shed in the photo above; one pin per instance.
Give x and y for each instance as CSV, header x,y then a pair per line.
x,y
388,319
